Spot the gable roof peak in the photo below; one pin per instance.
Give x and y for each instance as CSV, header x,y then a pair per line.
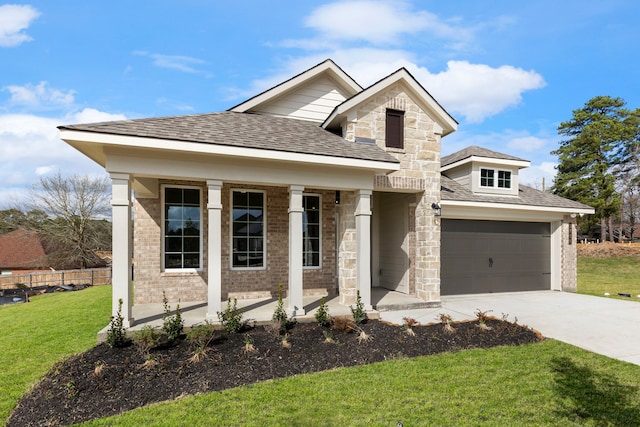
x,y
477,151
428,102
327,67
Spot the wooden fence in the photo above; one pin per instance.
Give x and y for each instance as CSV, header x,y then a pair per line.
x,y
93,276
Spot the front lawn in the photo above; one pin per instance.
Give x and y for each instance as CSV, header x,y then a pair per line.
x,y
613,275
38,334
548,383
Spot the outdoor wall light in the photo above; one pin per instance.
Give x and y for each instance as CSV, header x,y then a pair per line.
x,y
437,210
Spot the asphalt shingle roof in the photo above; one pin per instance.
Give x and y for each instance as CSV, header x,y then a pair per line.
x,y
22,249
454,191
243,130
474,150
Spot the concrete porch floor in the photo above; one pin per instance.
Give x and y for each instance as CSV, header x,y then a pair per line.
x,y
261,310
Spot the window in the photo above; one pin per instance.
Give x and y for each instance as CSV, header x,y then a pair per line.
x,y
504,179
394,129
311,231
248,229
488,178
182,230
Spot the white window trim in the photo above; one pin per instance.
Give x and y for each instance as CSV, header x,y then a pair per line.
x,y
163,231
496,173
319,266
264,229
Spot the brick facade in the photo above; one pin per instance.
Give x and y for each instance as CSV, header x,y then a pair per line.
x,y
151,281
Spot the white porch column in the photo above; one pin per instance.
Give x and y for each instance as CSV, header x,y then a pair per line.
x,y
121,246
296,305
214,249
363,247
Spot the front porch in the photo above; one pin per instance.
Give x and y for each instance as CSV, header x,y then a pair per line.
x,y
261,310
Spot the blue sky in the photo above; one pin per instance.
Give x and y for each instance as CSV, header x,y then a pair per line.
x,y
508,71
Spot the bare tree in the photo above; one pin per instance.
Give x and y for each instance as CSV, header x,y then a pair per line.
x,y
78,208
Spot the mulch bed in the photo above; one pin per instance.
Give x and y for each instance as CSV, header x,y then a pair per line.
x,y
106,381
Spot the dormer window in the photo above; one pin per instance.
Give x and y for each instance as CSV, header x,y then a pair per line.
x,y
493,178
394,129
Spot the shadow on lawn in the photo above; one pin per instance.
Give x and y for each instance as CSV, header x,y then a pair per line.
x,y
585,394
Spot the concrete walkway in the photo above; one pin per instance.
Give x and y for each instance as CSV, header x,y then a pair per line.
x,y
606,326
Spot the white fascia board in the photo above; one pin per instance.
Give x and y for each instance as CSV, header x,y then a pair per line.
x,y
222,150
443,118
513,207
520,164
328,66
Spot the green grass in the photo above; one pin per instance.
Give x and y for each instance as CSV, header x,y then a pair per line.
x,y
38,334
612,275
549,383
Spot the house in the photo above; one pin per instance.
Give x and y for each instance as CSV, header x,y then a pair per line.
x,y
327,188
22,251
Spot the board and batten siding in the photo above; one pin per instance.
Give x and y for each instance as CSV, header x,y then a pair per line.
x,y
313,102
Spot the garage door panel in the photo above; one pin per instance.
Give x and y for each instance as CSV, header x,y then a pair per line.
x,y
494,256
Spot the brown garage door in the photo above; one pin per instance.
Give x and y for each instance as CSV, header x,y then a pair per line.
x,y
494,256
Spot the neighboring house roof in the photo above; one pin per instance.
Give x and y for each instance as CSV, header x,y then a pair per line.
x,y
451,190
428,102
22,250
242,130
475,151
327,67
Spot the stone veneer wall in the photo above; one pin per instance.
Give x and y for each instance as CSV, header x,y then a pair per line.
x,y
569,255
347,248
151,281
419,173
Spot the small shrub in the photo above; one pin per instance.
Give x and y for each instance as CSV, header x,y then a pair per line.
x,y
322,314
359,315
201,336
483,316
99,368
285,341
145,339
19,285
407,325
328,337
446,321
149,362
248,344
280,317
172,325
117,333
362,335
342,324
410,322
231,317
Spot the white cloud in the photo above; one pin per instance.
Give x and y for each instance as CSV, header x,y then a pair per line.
x,y
472,91
182,63
14,19
357,34
91,115
478,91
527,143
30,147
378,22
39,96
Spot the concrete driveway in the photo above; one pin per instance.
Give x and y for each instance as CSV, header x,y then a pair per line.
x,y
606,326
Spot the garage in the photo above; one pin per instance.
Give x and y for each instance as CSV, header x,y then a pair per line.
x,y
494,256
